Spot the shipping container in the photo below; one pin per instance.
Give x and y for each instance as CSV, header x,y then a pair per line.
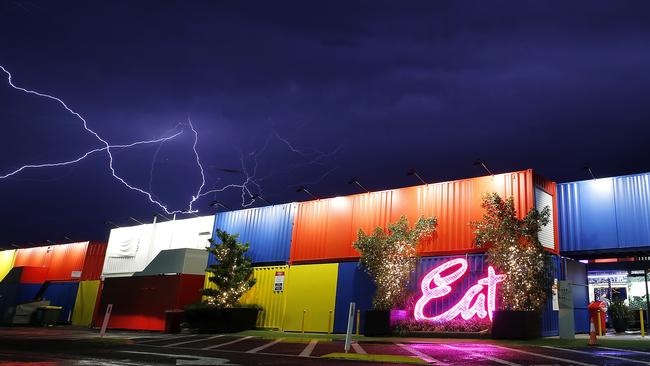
x,y
85,303
182,261
64,262
324,230
311,298
353,285
139,303
6,262
268,230
61,294
131,249
605,215
269,293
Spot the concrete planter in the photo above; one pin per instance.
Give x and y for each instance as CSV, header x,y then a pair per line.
x,y
508,324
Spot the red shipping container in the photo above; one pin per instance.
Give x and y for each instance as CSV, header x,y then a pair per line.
x,y
324,230
139,303
65,262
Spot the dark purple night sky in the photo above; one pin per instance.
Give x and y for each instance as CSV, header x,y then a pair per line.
x,y
366,89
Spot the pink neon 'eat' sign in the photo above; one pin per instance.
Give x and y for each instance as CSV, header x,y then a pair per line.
x,y
473,302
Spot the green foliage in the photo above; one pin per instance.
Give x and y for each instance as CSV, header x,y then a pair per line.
x,y
619,311
514,248
232,274
638,302
390,257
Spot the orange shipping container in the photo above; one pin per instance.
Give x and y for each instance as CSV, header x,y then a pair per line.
x,y
64,262
324,230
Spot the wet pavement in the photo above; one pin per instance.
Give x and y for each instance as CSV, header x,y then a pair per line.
x,y
67,346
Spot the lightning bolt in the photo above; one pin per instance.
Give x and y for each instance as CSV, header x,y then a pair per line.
x,y
245,187
107,147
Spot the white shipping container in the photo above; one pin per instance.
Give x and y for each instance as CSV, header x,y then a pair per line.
x,y
131,249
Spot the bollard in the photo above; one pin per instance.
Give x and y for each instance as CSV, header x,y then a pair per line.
x,y
329,323
641,317
358,320
600,327
302,327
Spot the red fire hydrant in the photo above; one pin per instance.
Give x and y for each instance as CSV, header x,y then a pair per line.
x,y
597,311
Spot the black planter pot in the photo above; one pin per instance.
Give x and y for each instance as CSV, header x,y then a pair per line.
x,y
223,320
377,323
620,324
508,324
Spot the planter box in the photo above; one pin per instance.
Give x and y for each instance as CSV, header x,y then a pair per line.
x,y
456,335
508,324
379,323
222,320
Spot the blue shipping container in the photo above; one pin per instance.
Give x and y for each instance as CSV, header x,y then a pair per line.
x,y
604,214
268,230
353,285
62,294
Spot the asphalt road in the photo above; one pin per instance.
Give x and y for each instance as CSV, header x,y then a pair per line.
x,y
66,346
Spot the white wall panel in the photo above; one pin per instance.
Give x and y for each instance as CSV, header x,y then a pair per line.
x,y
131,249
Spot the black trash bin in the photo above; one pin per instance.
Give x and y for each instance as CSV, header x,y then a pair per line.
x,y
173,320
47,315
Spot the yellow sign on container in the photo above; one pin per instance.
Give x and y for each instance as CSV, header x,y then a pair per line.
x,y
311,295
6,262
84,305
265,295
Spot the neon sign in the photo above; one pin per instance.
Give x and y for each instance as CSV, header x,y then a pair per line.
x,y
473,303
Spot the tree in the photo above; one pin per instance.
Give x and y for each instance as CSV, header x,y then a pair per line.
x,y
390,257
232,274
514,248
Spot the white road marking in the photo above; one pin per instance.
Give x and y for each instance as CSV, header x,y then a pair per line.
x,y
497,360
423,356
192,341
193,360
598,355
358,349
227,343
164,338
309,348
264,346
544,356
624,350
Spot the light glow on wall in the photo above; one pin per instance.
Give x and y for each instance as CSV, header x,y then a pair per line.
x,y
473,304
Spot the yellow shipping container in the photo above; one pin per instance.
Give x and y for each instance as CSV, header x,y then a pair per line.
x,y
6,262
265,295
311,295
84,305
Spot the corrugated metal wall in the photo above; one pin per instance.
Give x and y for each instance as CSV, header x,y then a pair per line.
x,y
263,293
84,306
139,303
353,285
131,249
94,262
62,294
604,214
267,229
6,262
324,230
311,289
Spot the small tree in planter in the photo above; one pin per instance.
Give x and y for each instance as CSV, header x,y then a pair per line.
x,y
389,258
231,276
514,248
